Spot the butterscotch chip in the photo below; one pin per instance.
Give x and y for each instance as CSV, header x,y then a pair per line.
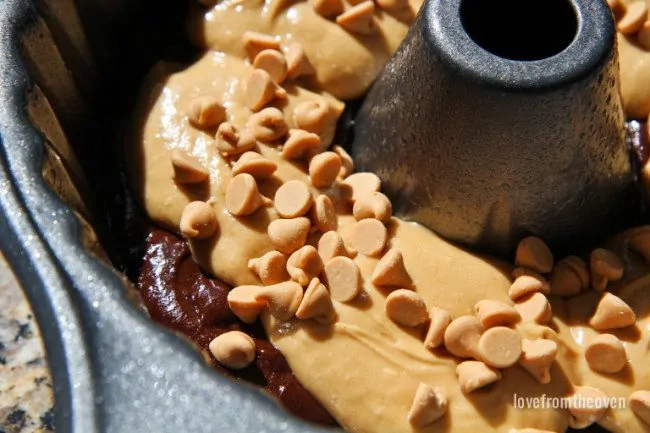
x,y
243,302
198,221
369,237
230,140
644,36
528,282
440,319
406,308
570,276
634,17
287,235
612,313
324,168
331,245
316,304
205,112
361,184
242,196
374,205
273,62
312,116
304,264
323,214
268,124
536,358
605,266
188,169
500,347
297,62
462,336
640,404
255,42
293,199
256,165
390,270
343,278
271,268
606,354
496,313
233,349
260,89
583,415
534,308
429,405
348,164
300,144
359,19
532,253
473,375
282,299
328,8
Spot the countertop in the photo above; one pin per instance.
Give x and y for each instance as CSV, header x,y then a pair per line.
x,y
26,401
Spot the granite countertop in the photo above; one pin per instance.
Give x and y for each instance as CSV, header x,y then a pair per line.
x,y
26,400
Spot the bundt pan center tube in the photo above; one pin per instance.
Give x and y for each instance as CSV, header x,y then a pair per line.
x,y
496,120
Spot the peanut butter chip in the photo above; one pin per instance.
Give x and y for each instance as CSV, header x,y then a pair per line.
x,y
283,299
570,276
361,184
496,313
374,205
273,63
233,349
271,267
369,237
605,266
640,404
343,278
359,19
188,169
268,125
331,245
473,375
256,165
500,347
311,116
316,304
406,308
634,17
429,405
287,235
198,220
242,196
534,308
297,62
260,89
462,336
393,5
612,313
529,430
528,282
348,164
324,168
643,37
293,199
230,141
300,144
606,354
323,214
255,42
533,253
537,357
328,8
243,302
583,415
639,241
440,319
304,265
390,270
205,112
